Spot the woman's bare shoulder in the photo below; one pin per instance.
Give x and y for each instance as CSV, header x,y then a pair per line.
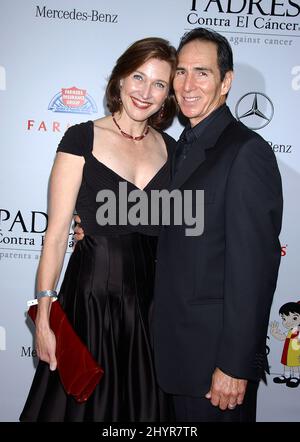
x,y
102,123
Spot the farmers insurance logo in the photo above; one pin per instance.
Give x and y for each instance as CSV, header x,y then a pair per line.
x,y
252,15
255,110
74,101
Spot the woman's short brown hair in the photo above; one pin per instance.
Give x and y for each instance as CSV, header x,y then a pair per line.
x,y
137,54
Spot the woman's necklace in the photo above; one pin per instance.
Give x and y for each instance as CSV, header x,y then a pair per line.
x,y
126,135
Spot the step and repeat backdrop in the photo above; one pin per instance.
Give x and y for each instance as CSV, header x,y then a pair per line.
x,y
55,58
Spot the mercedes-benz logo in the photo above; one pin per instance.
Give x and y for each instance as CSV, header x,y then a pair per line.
x,y
255,110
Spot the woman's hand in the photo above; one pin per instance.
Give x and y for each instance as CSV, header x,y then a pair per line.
x,y
46,345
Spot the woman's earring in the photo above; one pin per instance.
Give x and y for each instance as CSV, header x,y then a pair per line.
x,y
120,86
162,111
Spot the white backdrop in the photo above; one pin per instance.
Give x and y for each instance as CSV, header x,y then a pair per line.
x,y
54,50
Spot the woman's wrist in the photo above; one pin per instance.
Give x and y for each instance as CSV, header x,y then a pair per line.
x,y
46,293
43,313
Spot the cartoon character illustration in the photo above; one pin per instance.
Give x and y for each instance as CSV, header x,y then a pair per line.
x,y
290,314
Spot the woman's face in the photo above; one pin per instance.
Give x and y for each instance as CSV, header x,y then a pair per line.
x,y
144,91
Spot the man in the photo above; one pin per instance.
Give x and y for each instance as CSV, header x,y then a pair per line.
x,y
214,292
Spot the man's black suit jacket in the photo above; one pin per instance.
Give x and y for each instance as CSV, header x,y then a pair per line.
x,y
213,292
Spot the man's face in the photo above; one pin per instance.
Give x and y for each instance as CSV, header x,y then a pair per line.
x,y
197,83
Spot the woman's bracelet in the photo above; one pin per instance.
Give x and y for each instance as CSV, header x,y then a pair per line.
x,y
43,293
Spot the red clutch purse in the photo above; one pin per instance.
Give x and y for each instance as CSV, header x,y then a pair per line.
x,y
78,370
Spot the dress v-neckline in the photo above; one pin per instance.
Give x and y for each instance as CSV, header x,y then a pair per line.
x,y
125,179
121,177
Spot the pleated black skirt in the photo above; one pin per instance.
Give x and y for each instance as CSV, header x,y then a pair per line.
x,y
107,294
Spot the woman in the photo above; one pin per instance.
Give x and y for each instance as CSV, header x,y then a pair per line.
x,y
108,286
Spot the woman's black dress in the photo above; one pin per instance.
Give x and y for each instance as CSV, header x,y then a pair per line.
x,y
107,294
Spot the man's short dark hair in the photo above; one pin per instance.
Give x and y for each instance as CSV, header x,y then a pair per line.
x,y
224,51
